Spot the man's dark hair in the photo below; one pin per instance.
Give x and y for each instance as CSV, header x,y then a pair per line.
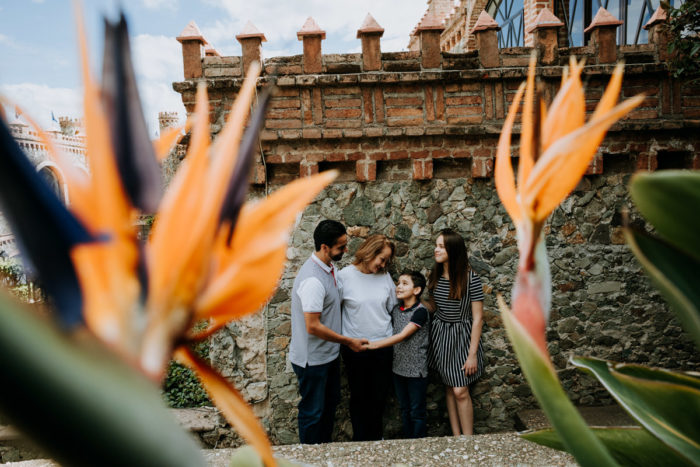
x,y
417,278
327,232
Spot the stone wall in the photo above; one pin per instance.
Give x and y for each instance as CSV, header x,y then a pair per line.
x,y
415,146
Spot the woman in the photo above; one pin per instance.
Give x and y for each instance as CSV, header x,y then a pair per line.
x,y
367,298
455,347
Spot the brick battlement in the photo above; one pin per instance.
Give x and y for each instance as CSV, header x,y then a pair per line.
x,y
450,109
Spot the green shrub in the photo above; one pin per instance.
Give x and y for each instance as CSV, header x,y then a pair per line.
x,y
181,388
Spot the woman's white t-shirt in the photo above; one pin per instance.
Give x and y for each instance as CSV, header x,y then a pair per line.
x,y
366,303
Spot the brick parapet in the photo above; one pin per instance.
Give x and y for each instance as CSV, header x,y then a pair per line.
x,y
459,101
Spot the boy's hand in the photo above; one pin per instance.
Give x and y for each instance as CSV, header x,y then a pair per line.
x,y
372,346
358,345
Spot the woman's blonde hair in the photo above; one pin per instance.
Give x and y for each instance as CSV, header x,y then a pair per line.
x,y
371,248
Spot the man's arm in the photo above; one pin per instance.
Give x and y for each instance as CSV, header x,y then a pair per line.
x,y
315,327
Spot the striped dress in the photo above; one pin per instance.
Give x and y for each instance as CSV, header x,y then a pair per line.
x,y
450,333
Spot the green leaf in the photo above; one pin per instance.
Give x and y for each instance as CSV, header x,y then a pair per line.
x,y
79,402
668,199
578,439
674,273
631,446
667,404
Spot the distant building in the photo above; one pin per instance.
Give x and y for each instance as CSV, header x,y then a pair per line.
x,y
67,135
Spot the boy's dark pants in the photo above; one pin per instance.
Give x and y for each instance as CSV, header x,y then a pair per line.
x,y
369,379
411,395
319,386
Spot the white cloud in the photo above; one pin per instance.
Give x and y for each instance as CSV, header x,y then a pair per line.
x,y
280,21
158,63
37,1
39,101
156,4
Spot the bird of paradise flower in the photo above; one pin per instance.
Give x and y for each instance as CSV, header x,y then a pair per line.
x,y
556,147
211,258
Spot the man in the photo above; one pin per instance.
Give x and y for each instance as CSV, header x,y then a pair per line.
x,y
316,334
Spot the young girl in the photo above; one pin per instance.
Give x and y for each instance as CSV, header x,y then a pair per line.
x,y
455,335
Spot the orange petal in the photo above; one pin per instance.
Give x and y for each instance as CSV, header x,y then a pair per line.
x,y
167,140
611,92
568,110
561,167
527,156
175,230
248,270
231,403
505,182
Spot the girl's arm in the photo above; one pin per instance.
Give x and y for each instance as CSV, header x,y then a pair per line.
x,y
405,333
470,366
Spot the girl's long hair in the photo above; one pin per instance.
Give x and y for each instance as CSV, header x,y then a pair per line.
x,y
371,248
457,264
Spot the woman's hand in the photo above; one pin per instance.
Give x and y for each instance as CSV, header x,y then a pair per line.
x,y
470,366
372,345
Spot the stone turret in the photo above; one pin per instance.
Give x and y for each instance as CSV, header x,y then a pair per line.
x,y
168,120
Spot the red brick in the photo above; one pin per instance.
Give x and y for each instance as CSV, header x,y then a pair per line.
x,y
283,123
397,155
335,157
345,90
367,104
285,103
378,156
317,107
343,123
332,133
404,112
395,101
306,169
292,157
398,121
283,113
422,170
273,159
366,171
429,104
343,113
311,133
458,111
643,114
439,153
647,162
482,152
482,168
419,154
287,92
461,154
306,106
463,100
439,103
344,103
456,87
379,104
464,120
356,156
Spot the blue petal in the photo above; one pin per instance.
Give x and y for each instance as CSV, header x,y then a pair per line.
x,y
136,161
238,185
46,229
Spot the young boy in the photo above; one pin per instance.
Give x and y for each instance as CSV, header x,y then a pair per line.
x,y
410,365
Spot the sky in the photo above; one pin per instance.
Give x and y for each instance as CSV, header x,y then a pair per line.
x,y
39,62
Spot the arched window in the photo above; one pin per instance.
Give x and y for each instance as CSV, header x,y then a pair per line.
x,y
50,177
578,14
509,16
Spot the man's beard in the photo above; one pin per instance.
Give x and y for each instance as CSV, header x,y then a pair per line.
x,y
337,257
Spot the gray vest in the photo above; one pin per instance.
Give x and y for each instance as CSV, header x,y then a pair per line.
x,y
305,348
